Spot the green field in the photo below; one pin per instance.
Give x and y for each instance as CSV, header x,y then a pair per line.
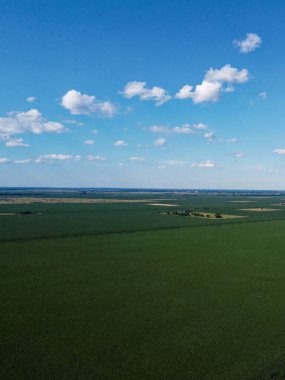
x,y
124,291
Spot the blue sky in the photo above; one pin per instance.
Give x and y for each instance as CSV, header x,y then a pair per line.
x,y
186,94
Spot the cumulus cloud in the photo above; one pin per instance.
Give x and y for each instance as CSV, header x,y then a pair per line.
x,y
31,99
121,143
159,142
227,74
135,158
214,83
279,151
11,143
82,104
89,142
49,158
208,164
3,160
96,158
23,122
250,43
239,155
139,89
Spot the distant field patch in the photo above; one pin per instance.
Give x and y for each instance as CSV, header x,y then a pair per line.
x,y
7,213
162,204
259,209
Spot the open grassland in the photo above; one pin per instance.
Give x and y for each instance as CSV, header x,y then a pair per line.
x,y
122,291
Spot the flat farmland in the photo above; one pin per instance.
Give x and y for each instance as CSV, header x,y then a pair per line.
x,y
126,291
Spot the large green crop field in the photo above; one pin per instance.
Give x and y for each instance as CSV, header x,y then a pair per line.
x,y
125,291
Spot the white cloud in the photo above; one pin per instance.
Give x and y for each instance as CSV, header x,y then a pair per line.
x,y
16,142
49,158
3,160
184,92
157,94
239,155
135,158
23,162
121,143
89,142
74,122
213,84
279,151
31,99
232,140
200,126
159,142
185,129
209,136
23,122
262,95
227,74
82,104
96,158
159,129
208,164
250,43
204,92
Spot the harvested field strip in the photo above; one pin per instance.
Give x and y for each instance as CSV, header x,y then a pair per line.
x,y
162,204
30,200
260,209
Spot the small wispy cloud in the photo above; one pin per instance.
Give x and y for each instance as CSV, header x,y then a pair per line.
x,y
120,143
49,158
23,162
209,136
136,158
208,164
232,140
279,151
251,42
262,95
89,142
159,142
31,99
96,158
12,143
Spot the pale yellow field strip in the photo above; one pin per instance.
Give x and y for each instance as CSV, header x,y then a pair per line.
x,y
213,216
7,213
162,204
29,200
260,209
